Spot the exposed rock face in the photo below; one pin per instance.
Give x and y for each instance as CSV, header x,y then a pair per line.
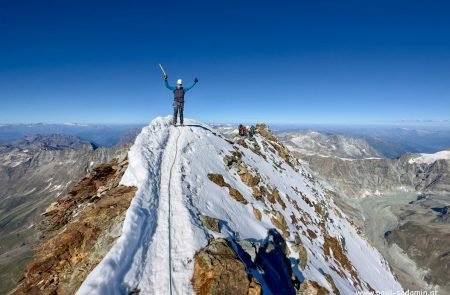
x,y
79,229
218,270
34,172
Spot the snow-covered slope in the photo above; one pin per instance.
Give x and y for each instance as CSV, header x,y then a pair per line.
x,y
250,187
430,158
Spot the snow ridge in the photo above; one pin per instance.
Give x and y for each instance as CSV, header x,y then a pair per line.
x,y
170,166
119,271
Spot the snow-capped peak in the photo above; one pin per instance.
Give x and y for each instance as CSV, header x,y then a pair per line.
x,y
249,191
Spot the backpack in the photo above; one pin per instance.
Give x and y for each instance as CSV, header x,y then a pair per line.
x,y
179,94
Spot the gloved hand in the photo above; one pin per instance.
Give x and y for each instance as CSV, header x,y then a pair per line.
x,y
165,78
196,80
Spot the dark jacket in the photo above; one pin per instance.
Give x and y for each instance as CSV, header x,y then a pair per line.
x,y
178,95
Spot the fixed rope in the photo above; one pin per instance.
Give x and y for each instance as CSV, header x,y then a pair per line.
x,y
170,215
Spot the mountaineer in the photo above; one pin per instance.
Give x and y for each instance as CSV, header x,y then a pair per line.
x,y
178,98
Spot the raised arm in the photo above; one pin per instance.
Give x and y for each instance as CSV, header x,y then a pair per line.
x,y
190,87
168,86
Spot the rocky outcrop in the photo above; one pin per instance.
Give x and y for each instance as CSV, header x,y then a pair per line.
x,y
309,287
78,230
210,223
301,250
218,179
280,222
35,172
225,267
333,249
218,270
281,149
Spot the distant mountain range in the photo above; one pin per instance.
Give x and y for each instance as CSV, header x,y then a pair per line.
x,y
98,134
328,145
358,141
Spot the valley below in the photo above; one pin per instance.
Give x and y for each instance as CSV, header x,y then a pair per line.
x,y
410,235
400,203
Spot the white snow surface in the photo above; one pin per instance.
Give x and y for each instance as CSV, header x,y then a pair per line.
x,y
430,158
168,161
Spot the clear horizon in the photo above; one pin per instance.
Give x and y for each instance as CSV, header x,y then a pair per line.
x,y
302,62
381,124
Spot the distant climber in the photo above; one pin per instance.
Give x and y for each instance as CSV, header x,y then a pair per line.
x,y
178,98
252,131
242,130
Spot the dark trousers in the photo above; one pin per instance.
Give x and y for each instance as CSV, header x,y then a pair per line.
x,y
178,109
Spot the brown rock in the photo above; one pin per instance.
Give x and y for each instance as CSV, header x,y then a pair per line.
x,y
53,206
210,222
218,179
309,287
280,222
332,245
311,234
218,270
234,159
247,177
257,213
264,131
278,198
301,250
257,193
333,285
273,196
255,287
276,144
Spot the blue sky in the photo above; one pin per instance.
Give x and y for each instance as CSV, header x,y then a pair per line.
x,y
330,61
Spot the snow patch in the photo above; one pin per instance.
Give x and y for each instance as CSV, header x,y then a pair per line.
x,y
430,158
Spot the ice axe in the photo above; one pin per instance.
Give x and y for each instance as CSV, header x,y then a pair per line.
x,y
162,70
